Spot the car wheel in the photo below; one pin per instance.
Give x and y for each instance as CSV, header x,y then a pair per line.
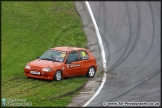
x,y
58,76
91,72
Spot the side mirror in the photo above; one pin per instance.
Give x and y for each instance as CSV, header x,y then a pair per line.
x,y
68,62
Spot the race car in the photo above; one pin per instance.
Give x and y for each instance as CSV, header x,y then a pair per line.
x,y
61,62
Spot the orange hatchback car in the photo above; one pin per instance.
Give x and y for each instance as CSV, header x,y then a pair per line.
x,y
61,62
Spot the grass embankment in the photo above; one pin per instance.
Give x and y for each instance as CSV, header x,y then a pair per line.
x,y
28,30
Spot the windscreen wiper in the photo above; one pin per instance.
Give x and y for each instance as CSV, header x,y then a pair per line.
x,y
47,59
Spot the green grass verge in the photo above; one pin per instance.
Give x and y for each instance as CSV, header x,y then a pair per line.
x,y
28,30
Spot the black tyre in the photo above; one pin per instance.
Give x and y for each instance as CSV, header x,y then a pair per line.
x,y
58,76
91,72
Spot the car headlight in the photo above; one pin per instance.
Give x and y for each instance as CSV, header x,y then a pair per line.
x,y
27,67
47,69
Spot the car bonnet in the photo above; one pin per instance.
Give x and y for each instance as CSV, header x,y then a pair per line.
x,y
43,63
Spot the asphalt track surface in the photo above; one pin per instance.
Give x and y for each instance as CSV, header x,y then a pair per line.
x,y
131,35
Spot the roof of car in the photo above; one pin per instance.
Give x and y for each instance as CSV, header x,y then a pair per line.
x,y
65,48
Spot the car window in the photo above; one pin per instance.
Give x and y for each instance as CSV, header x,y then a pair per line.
x,y
53,55
73,56
83,55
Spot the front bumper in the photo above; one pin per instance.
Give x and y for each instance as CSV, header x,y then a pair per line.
x,y
43,75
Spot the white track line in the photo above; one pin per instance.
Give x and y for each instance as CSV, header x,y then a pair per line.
x,y
102,54
99,89
98,36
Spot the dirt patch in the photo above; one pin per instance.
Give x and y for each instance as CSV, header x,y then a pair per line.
x,y
68,93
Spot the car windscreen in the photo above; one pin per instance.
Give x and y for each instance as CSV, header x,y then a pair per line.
x,y
53,55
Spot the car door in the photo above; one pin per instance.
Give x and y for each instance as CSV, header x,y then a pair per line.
x,y
73,64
